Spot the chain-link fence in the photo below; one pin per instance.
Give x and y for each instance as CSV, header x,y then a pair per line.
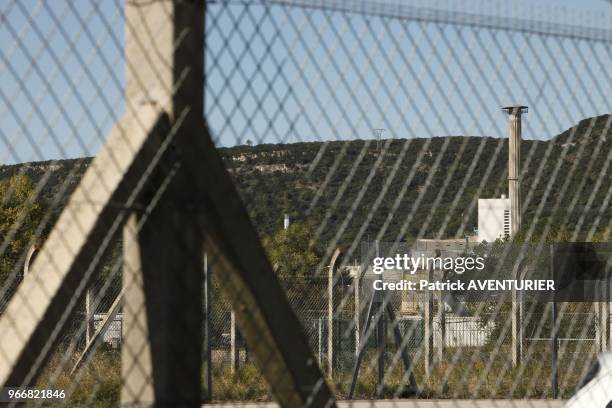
x,y
192,196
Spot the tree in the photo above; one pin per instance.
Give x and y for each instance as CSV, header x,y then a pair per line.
x,y
294,251
296,256
21,212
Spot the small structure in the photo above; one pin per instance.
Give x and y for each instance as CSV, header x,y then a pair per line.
x,y
494,218
114,333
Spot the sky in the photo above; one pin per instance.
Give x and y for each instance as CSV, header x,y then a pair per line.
x,y
290,74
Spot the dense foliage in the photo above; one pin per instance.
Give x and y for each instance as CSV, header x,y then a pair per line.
x,y
21,213
416,187
296,258
353,189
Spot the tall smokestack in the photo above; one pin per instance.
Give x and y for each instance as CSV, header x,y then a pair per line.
x,y
514,187
514,163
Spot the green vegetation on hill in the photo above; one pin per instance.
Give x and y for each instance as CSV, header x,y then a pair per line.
x,y
339,192
354,186
21,214
427,187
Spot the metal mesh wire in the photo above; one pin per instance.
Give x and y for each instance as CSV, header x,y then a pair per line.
x,y
304,71
361,121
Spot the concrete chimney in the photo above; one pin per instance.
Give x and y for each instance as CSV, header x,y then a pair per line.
x,y
514,164
286,222
514,187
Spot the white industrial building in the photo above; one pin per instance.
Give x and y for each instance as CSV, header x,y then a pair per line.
x,y
493,218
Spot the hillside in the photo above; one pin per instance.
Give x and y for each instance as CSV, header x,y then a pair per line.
x,y
348,180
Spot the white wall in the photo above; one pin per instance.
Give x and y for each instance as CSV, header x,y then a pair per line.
x,y
491,218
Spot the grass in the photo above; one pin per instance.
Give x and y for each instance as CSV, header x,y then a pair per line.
x,y
245,384
472,373
96,384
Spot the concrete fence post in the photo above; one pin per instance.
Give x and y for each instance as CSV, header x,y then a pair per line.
x,y
234,343
208,396
163,255
429,321
330,321
331,308
441,332
602,310
320,345
357,312
89,315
